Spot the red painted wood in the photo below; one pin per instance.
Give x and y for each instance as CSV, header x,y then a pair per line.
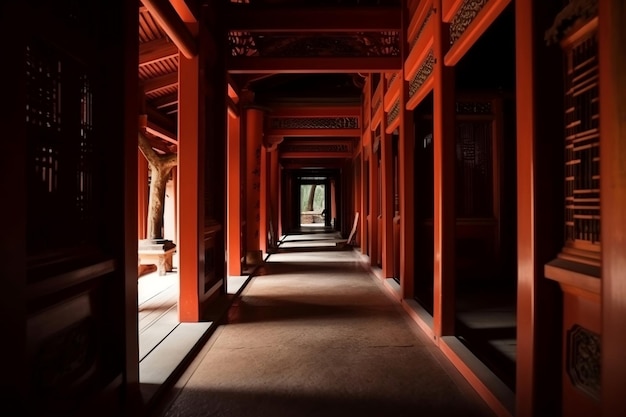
x,y
613,202
444,161
234,207
190,248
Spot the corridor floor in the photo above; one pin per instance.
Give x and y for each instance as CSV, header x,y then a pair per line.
x,y
314,334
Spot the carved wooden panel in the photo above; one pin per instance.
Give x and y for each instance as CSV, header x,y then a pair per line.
x,y
583,360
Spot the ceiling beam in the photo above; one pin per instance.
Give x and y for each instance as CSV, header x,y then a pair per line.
x,y
264,65
160,83
158,131
313,19
156,50
171,23
165,101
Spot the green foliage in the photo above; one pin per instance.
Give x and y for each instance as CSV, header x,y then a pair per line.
x,y
318,198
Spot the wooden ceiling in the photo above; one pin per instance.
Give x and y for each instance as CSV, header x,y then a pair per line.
x,y
343,38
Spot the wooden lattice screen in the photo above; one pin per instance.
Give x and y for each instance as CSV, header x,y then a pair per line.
x,y
61,207
582,145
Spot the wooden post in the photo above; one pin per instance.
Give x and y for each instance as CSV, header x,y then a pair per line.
x,y
254,133
264,200
274,202
387,204
539,210
444,220
612,15
406,174
364,241
373,205
190,237
234,196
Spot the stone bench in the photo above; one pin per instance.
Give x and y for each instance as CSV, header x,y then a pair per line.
x,y
157,252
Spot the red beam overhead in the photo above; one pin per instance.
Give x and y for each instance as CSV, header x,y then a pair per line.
x,y
157,50
262,65
160,83
169,20
313,19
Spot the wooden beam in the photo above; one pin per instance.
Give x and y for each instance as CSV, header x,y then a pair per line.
x,y
262,65
156,50
171,23
165,101
479,25
313,19
158,131
160,83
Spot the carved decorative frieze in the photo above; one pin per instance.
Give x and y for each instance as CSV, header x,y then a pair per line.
x,y
303,45
322,148
422,74
314,123
464,16
429,14
393,112
583,360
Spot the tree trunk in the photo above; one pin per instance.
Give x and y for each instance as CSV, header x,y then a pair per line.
x,y
309,201
156,202
160,166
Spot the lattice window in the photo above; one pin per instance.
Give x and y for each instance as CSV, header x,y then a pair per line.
x,y
582,146
58,116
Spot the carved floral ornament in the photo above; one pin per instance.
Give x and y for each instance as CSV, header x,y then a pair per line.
x,y
583,360
464,17
293,45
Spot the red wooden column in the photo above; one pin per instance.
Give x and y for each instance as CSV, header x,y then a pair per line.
x,y
612,37
254,135
387,197
406,189
234,195
539,208
264,200
190,247
274,201
363,228
444,221
373,206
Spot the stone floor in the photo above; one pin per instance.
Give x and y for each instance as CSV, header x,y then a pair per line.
x,y
315,334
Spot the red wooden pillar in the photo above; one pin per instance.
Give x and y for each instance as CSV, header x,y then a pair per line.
x,y
387,197
373,206
234,195
190,247
444,221
363,222
406,203
264,200
406,173
539,207
254,134
274,201
612,37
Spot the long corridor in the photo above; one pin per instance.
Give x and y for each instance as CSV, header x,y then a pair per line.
x,y
315,334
